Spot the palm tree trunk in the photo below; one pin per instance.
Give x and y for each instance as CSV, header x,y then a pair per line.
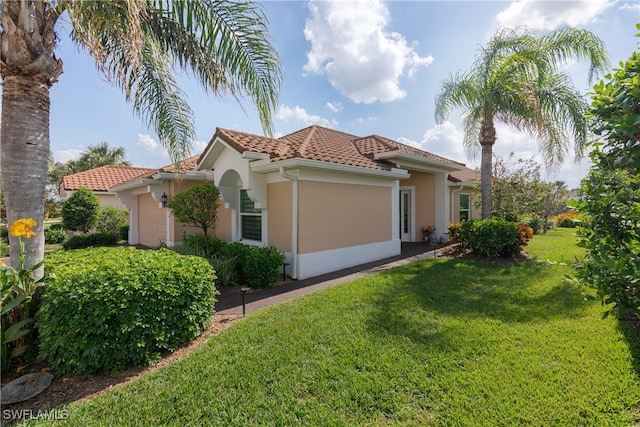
x,y
487,139
28,68
24,159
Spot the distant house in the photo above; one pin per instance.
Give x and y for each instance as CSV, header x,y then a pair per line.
x,y
328,199
100,180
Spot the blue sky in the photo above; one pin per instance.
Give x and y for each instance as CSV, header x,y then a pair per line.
x,y
365,68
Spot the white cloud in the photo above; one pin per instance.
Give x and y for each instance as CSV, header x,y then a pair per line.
x,y
445,140
632,7
148,143
198,147
63,156
410,142
336,107
299,114
351,46
549,15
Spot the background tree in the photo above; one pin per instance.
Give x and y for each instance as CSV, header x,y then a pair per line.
x,y
515,80
610,195
515,187
137,45
80,211
197,206
519,193
98,155
55,172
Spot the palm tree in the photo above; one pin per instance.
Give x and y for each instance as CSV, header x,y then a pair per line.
x,y
225,45
99,155
515,80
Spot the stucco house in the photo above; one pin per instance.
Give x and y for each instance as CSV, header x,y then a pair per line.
x,y
100,180
328,199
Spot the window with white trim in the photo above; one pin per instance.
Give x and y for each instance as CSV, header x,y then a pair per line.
x,y
464,207
250,218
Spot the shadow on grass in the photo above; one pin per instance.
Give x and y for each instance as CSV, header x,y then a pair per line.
x,y
518,292
629,325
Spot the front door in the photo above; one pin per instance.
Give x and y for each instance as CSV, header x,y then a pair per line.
x,y
405,216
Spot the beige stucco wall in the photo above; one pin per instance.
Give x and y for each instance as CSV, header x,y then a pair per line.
x,y
110,200
279,213
152,228
224,223
335,216
424,185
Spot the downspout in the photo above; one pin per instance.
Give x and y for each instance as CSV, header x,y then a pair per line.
x,y
294,221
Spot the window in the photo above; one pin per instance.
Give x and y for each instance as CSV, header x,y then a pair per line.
x,y
464,207
250,218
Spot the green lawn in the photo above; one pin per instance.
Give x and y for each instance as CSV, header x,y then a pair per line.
x,y
436,342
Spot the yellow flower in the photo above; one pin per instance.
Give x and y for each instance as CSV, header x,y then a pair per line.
x,y
23,227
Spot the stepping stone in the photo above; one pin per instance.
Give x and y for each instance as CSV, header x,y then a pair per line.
x,y
25,387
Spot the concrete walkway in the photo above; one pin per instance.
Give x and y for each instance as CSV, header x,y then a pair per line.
x,y
261,298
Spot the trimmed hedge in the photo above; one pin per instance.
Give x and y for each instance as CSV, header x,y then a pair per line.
x,y
107,309
89,240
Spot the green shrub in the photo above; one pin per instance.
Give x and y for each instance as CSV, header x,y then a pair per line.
x,y
80,211
106,309
123,233
226,269
535,224
255,266
493,237
197,241
236,250
262,266
54,235
88,240
111,220
189,250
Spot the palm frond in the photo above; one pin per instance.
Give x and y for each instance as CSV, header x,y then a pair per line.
x,y
159,100
458,91
235,36
471,124
566,43
225,45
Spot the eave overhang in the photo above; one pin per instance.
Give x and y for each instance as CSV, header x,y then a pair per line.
x,y
418,163
265,166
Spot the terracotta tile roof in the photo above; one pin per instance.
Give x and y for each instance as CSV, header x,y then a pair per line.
x,y
327,145
186,165
465,175
102,178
